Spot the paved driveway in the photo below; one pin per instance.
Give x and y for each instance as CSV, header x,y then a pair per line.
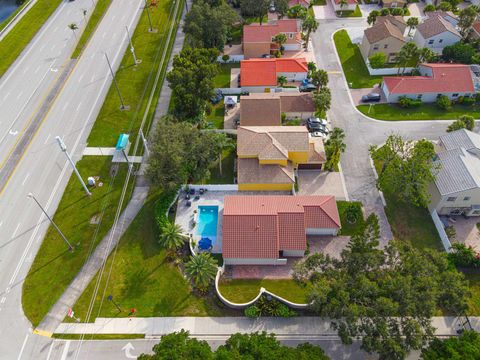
x,y
324,12
314,182
361,131
358,93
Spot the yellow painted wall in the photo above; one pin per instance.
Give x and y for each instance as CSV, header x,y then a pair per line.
x,y
274,162
298,157
265,187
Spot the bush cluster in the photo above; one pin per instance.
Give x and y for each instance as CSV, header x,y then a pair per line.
x,y
269,307
161,209
464,256
406,102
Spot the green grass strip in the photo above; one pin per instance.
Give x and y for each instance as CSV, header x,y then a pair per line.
x,y
5,22
97,15
23,32
98,336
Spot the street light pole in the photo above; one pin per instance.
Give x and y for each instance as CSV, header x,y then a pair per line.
x,y
123,107
147,152
70,247
149,19
135,60
63,147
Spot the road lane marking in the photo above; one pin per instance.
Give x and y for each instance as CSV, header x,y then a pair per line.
x,y
46,140
13,132
50,350
81,77
5,97
23,347
104,34
7,290
15,232
19,94
78,107
65,106
38,68
1,223
65,350
24,180
3,300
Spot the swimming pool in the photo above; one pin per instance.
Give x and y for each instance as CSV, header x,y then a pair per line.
x,y
207,222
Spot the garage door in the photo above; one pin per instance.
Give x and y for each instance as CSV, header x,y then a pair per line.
x,y
309,166
321,231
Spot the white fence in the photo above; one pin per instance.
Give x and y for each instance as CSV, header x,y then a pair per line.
x,y
221,187
387,71
232,59
441,231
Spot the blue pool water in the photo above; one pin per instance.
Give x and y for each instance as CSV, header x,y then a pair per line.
x,y
207,222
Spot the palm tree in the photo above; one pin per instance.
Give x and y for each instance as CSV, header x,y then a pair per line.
x,y
73,27
408,52
412,24
171,237
334,146
282,80
201,270
343,3
280,39
222,143
319,78
309,25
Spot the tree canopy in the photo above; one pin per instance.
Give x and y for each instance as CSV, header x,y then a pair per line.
x,y
463,122
207,26
462,53
406,168
375,294
254,8
465,347
179,152
466,19
191,81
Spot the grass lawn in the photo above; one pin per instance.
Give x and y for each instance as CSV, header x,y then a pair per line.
x,y
54,266
251,20
101,7
23,32
98,336
216,117
348,228
354,67
222,80
350,13
393,112
228,161
136,82
243,290
319,2
474,301
143,279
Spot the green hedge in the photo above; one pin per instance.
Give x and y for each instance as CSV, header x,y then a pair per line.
x,y
161,208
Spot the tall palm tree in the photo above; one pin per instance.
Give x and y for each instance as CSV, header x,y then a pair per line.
x,y
201,270
334,146
281,80
412,24
171,237
309,25
73,27
222,143
280,39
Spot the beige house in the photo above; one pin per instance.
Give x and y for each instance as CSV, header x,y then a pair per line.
x,y
456,190
386,36
265,109
393,3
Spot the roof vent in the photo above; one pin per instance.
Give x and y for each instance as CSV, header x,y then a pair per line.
x,y
257,227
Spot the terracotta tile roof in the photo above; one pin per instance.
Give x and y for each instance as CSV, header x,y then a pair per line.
x,y
296,102
434,25
261,226
260,109
249,171
476,27
256,33
316,151
446,78
271,142
383,30
263,72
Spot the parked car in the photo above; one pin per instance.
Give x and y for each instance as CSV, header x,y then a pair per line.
x,y
307,88
271,8
372,97
215,99
317,124
319,134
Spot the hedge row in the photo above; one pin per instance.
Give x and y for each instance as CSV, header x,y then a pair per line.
x,y
161,208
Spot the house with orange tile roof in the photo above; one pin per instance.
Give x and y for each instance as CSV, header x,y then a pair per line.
x,y
258,39
268,156
264,230
260,75
451,80
266,109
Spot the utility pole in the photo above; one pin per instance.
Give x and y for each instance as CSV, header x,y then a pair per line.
x,y
151,29
135,60
63,147
122,107
147,152
70,247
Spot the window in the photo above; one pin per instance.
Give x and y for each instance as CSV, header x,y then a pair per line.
x,y
385,46
455,95
466,198
440,41
375,47
419,96
430,42
451,198
290,35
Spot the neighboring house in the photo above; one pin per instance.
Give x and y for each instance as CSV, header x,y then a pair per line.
x,y
350,6
269,155
452,80
393,3
258,39
456,190
260,75
303,3
475,33
385,36
263,230
436,32
447,15
265,109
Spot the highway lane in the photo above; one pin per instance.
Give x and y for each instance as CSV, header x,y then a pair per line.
x,y
44,172
24,86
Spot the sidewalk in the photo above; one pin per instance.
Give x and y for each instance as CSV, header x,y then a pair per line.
x,y
207,326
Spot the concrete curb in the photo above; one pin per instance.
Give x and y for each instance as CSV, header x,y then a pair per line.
x,y
16,18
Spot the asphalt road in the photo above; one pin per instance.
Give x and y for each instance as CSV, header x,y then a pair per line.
x,y
43,169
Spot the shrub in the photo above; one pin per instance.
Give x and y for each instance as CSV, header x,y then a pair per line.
x,y
284,311
385,11
252,312
353,212
428,8
468,101
272,307
451,233
225,58
461,53
296,11
463,256
377,60
406,102
445,6
468,120
397,11
443,102
283,117
161,209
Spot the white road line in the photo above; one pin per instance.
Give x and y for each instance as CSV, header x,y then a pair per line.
x,y
53,47
55,30
1,223
92,56
36,70
19,94
50,350
24,180
104,34
15,232
26,69
5,97
3,300
48,137
93,77
78,107
65,106
7,290
65,350
23,347
81,77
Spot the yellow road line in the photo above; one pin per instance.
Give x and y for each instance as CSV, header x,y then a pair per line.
x,y
41,332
